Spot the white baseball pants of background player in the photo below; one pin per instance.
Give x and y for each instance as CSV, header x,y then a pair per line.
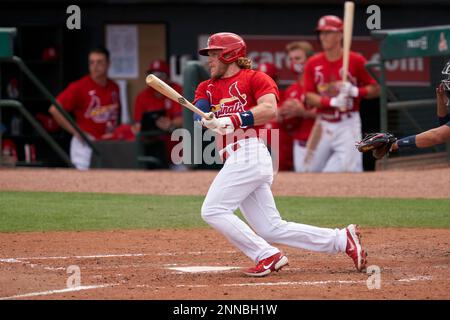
x,y
244,182
299,154
80,154
336,151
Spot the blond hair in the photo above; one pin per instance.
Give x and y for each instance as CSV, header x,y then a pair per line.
x,y
244,63
302,45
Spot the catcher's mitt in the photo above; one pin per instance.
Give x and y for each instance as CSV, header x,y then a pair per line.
x,y
379,143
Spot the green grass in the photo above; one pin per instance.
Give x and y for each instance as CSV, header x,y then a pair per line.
x,y
45,211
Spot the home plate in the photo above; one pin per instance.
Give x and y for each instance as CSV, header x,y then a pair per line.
x,y
197,269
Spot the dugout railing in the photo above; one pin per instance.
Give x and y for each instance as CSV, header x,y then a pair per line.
x,y
406,43
7,56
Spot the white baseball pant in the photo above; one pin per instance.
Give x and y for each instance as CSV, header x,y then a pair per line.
x,y
336,150
299,154
80,154
244,182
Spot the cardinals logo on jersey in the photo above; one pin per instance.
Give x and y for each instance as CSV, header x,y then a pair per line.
x,y
233,104
329,88
101,114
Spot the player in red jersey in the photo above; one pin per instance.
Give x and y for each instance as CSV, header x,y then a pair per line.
x,y
331,146
151,100
276,129
95,103
294,115
241,101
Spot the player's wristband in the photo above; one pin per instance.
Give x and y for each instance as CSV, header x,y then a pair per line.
x,y
444,120
408,143
362,92
203,105
247,119
325,101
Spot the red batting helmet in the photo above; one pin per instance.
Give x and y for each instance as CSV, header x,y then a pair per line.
x,y
232,46
329,23
269,68
160,66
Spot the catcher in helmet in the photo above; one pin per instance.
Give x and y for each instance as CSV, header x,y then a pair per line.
x,y
241,101
383,143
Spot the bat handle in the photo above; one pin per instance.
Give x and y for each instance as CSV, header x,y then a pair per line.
x,y
207,116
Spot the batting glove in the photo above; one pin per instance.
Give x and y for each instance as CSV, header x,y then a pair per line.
x,y
223,125
342,101
349,89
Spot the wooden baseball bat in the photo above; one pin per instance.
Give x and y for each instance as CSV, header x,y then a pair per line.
x,y
349,11
166,90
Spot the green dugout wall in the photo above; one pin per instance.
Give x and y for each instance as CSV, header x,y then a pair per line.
x,y
406,43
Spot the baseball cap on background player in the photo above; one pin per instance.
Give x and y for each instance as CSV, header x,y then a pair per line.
x,y
233,46
329,23
49,54
268,68
446,81
159,68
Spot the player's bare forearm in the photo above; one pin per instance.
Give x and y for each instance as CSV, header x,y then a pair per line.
x,y
266,109
430,138
373,91
313,99
62,121
433,137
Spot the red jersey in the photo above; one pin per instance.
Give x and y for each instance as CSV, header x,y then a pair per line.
x,y
296,91
151,100
236,94
323,76
95,107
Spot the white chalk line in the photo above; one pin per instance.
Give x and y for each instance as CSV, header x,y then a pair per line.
x,y
122,255
418,278
125,255
251,284
98,256
303,283
50,292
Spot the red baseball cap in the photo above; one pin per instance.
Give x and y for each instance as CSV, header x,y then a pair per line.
x,y
329,23
159,65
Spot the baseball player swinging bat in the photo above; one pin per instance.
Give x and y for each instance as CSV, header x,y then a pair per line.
x,y
163,88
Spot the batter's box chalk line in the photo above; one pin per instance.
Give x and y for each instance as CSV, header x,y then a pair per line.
x,y
120,255
199,269
304,283
50,292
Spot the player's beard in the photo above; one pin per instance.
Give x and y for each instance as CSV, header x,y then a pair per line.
x,y
219,71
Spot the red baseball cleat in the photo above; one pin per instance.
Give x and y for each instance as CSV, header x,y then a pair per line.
x,y
268,265
354,249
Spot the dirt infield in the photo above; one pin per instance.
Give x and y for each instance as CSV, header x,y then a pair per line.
x,y
413,263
